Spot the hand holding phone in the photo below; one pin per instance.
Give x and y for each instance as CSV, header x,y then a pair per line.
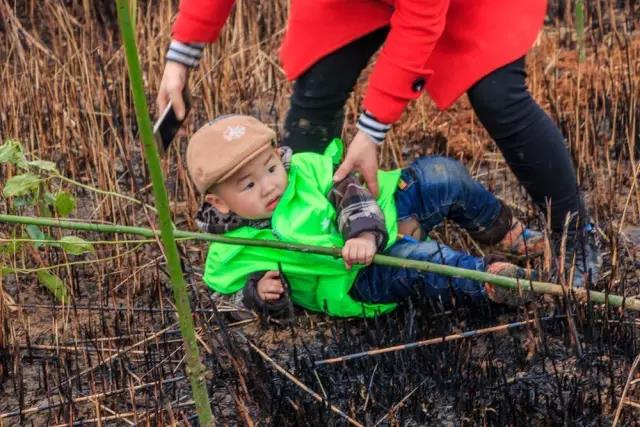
x,y
168,125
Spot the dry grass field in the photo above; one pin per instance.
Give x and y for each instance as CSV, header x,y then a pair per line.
x,y
112,355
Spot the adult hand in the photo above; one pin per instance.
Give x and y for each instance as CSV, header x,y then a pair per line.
x,y
270,286
362,156
173,82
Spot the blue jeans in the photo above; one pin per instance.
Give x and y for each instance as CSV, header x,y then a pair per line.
x,y
430,190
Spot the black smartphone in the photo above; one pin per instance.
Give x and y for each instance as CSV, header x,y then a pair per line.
x,y
167,126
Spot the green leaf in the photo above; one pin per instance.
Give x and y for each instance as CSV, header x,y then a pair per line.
x,y
8,150
43,165
11,152
75,245
64,203
36,234
55,285
20,185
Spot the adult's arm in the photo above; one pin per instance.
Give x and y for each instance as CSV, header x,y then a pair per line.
x,y
399,76
400,72
198,22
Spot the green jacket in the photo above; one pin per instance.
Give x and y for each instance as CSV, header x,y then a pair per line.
x,y
304,215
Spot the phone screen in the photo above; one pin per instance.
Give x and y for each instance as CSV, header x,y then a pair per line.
x,y
168,125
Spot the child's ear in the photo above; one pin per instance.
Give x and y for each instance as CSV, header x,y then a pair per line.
x,y
217,203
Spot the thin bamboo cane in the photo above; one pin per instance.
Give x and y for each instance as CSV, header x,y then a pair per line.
x,y
195,368
581,294
432,341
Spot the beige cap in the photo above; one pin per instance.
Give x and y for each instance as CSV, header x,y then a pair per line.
x,y
221,147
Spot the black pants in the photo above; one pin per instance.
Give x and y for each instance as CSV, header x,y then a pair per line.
x,y
527,137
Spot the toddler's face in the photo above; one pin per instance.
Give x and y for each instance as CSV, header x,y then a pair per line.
x,y
254,191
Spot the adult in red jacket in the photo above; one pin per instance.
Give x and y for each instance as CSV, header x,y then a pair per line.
x,y
443,47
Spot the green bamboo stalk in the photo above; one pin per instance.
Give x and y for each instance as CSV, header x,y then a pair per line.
x,y
195,368
630,303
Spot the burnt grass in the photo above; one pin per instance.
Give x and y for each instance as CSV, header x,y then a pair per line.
x,y
516,378
114,356
525,376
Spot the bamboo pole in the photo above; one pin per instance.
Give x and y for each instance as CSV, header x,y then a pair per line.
x,y
195,368
581,294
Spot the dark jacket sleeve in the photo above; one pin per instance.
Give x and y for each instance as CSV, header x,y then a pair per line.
x,y
252,300
358,211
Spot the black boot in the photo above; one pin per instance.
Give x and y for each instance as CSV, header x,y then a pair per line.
x,y
582,253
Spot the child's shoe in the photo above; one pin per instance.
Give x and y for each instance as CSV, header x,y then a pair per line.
x,y
510,236
522,241
510,297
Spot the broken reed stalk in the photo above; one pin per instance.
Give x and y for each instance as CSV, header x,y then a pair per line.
x,y
399,404
50,405
580,15
112,308
297,382
432,341
623,397
580,294
195,368
115,356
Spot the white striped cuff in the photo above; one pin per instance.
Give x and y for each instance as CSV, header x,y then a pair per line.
x,y
376,130
188,54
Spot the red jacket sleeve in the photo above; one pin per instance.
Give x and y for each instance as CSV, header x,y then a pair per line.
x,y
400,72
200,20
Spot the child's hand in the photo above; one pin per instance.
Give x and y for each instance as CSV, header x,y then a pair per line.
x,y
270,287
359,250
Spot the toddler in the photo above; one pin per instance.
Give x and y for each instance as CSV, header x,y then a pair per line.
x,y
252,189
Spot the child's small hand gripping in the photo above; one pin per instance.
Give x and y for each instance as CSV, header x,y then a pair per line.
x,y
270,286
359,250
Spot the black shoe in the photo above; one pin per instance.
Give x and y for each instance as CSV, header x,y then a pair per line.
x,y
582,255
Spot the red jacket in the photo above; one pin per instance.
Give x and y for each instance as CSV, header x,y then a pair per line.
x,y
444,46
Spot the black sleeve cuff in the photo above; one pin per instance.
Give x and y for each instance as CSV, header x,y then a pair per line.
x,y
371,225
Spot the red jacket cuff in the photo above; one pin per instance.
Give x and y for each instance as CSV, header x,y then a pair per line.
x,y
390,89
